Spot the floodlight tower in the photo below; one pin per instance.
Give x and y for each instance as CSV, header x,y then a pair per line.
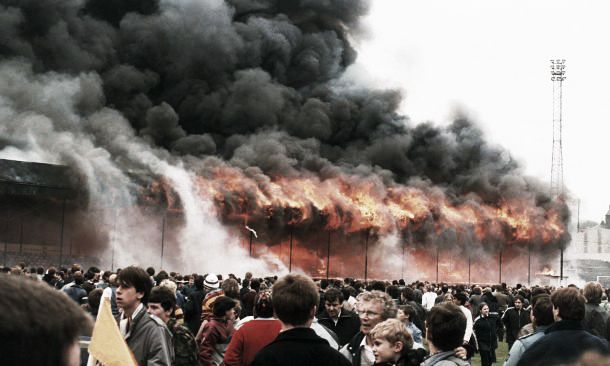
x,y
557,77
558,73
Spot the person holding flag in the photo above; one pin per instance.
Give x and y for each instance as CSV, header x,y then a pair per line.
x,y
140,338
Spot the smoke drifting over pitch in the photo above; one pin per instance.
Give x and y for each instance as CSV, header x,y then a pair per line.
x,y
183,89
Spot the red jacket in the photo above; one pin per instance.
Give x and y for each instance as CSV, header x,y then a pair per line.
x,y
249,339
215,333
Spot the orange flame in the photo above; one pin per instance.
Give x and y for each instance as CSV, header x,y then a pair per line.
x,y
354,204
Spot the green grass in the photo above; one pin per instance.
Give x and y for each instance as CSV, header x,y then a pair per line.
x,y
501,354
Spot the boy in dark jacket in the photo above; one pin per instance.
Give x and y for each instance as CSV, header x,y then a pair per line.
x,y
295,300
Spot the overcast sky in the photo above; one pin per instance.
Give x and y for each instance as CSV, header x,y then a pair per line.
x,y
490,59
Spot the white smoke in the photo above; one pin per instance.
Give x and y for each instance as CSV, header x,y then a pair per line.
x,y
61,119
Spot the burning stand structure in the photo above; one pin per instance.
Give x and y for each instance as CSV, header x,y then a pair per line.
x,y
242,113
320,245
35,205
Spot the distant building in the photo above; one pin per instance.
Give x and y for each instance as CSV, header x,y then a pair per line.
x,y
592,242
589,251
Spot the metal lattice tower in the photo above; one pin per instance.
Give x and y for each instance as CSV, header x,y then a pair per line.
x,y
558,73
557,77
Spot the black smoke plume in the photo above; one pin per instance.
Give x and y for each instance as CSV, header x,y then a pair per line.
x,y
255,85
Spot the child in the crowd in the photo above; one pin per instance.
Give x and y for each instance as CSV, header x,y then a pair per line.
x,y
405,314
393,345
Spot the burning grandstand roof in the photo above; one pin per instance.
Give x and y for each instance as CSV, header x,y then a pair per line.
x,y
240,112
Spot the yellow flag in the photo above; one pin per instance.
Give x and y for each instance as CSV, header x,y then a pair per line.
x,y
107,344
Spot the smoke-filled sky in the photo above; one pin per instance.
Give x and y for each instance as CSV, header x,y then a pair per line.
x,y
251,107
490,60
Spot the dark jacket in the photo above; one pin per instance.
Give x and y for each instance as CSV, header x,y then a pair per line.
x,y
413,357
492,302
76,293
192,310
514,320
299,346
565,341
485,330
347,325
354,348
597,321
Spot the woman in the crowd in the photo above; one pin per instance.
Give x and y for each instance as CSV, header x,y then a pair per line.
x,y
255,334
217,332
485,330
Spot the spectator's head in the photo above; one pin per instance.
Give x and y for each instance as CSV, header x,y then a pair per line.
x,y
93,299
198,282
542,311
333,300
373,308
460,298
484,309
79,278
348,291
40,271
406,313
255,285
162,275
231,288
447,297
445,327
263,306
378,286
407,294
38,325
134,288
324,284
150,271
106,276
393,291
161,303
295,299
391,340
593,293
224,307
248,276
170,285
112,279
245,283
568,304
210,282
519,302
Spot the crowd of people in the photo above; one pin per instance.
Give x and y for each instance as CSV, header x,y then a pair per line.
x,y
173,319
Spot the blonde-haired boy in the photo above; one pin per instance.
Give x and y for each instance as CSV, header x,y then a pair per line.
x,y
391,341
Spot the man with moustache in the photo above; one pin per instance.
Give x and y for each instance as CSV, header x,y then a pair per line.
x,y
146,335
373,308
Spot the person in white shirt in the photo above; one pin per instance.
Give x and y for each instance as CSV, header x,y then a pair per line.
x,y
460,299
373,308
427,300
